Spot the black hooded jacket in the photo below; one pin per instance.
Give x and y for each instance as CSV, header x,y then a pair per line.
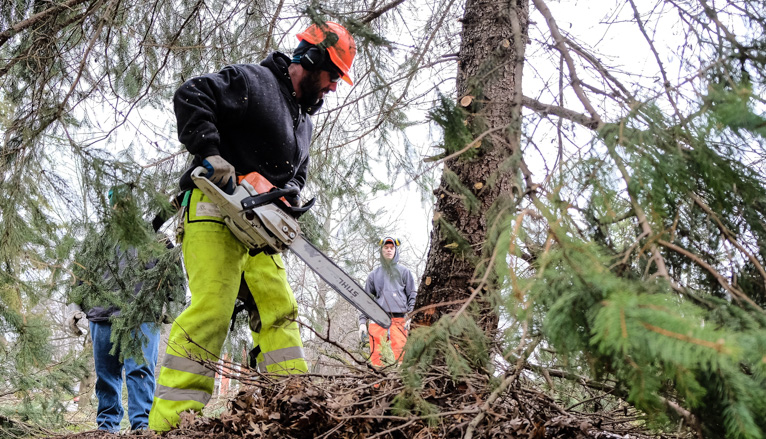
x,y
247,114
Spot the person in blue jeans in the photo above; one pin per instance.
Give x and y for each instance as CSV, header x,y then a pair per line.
x,y
139,378
107,278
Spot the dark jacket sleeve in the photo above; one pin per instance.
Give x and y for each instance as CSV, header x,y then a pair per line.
x,y
202,103
300,176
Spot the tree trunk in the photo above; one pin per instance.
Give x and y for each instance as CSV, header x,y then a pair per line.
x,y
489,89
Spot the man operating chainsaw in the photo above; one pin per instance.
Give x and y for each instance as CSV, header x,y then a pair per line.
x,y
246,118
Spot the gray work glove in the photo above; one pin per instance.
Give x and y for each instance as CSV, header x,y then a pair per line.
x,y
293,199
220,172
407,323
364,336
75,317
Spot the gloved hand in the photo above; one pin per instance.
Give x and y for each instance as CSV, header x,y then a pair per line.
x,y
364,336
407,323
74,317
220,172
293,199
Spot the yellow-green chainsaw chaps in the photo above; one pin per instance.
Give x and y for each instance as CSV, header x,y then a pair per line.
x,y
214,261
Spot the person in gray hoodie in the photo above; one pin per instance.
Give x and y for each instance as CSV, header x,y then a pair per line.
x,y
393,287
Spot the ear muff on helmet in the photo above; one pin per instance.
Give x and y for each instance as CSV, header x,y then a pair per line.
x,y
314,58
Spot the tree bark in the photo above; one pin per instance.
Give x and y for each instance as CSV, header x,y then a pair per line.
x,y
491,59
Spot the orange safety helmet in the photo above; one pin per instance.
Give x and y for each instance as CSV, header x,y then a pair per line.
x,y
338,43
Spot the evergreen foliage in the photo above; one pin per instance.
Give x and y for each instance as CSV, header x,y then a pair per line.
x,y
123,265
637,258
457,342
451,118
648,273
683,331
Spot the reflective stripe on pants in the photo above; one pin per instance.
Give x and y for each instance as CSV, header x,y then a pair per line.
x,y
214,261
286,361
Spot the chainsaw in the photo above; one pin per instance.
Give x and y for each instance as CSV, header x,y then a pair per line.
x,y
258,215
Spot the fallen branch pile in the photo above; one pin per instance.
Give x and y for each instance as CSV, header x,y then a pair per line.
x,y
376,404
366,405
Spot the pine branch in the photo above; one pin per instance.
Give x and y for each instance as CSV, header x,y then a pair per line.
x,y
686,415
713,16
717,346
372,15
510,377
739,295
728,234
34,19
665,81
603,71
640,214
562,112
561,46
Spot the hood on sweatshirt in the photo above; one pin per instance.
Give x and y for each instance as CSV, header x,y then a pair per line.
x,y
395,259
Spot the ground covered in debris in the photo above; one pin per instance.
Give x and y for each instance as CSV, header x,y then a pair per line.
x,y
374,405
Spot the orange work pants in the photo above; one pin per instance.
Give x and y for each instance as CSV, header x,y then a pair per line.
x,y
396,334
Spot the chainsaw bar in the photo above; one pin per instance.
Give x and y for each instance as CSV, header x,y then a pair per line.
x,y
339,280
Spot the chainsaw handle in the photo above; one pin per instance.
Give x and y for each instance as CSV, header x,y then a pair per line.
x,y
272,197
269,193
199,172
267,197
